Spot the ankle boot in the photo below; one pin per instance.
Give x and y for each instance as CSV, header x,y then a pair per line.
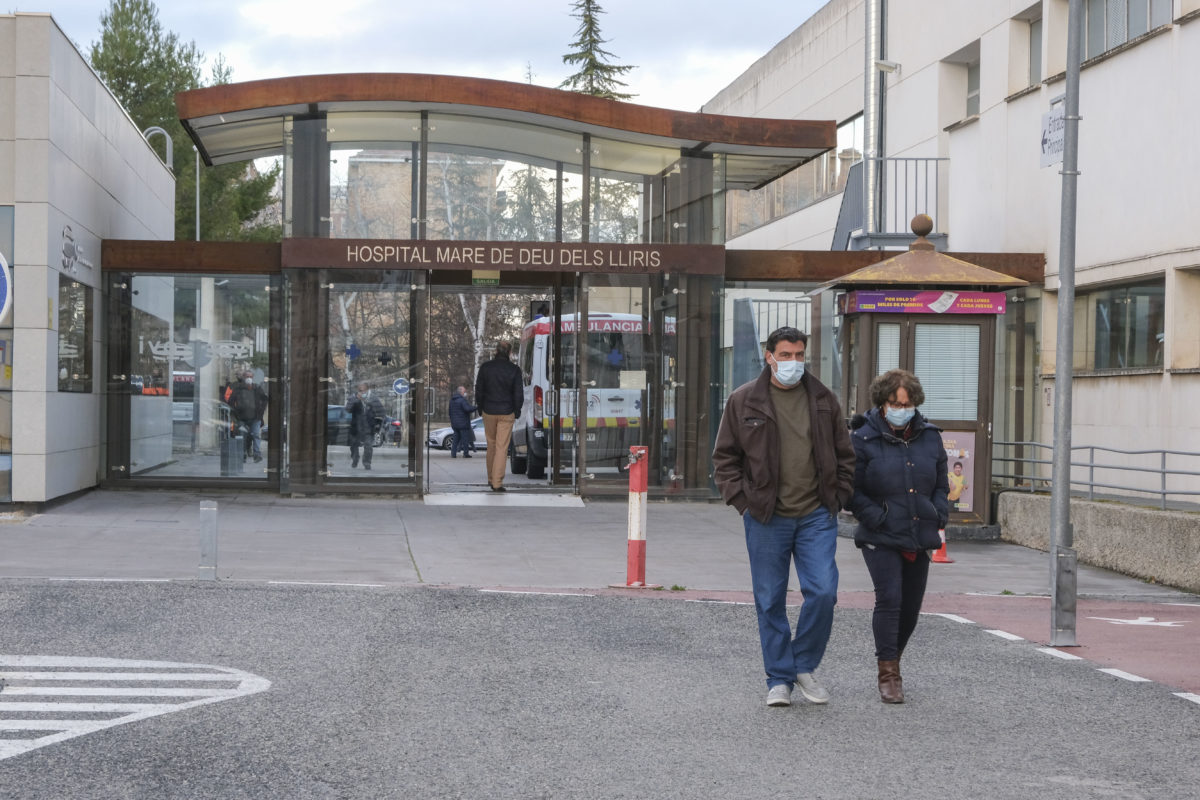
x,y
890,688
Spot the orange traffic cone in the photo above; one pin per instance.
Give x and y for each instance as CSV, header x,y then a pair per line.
x,y
939,555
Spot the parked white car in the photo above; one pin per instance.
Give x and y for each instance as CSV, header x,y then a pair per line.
x,y
444,437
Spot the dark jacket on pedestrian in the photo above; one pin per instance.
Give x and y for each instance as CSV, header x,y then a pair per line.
x,y
746,456
499,387
364,414
248,401
900,483
460,411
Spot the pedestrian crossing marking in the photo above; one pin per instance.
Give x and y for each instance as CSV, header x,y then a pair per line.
x,y
114,692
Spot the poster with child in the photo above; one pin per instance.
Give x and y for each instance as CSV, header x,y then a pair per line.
x,y
960,467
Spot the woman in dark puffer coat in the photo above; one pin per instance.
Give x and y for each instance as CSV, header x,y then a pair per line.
x,y
900,490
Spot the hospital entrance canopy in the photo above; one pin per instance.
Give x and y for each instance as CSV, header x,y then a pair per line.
x,y
244,121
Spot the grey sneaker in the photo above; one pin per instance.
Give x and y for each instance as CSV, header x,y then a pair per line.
x,y
779,695
813,692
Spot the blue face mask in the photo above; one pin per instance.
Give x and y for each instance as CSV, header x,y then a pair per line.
x,y
789,373
898,417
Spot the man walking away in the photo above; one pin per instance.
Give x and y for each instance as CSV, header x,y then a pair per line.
x,y
460,421
499,393
783,459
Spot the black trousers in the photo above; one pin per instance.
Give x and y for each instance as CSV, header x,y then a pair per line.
x,y
364,441
464,440
899,592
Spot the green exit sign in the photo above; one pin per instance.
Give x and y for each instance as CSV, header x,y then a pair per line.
x,y
485,277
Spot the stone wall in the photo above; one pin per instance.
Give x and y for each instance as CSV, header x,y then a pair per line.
x,y
1162,546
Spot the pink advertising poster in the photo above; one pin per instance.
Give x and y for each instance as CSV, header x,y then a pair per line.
x,y
960,467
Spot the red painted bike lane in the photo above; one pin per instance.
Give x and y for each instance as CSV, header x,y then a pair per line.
x,y
1159,641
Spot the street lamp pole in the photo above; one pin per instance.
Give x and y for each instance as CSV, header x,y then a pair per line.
x,y
1063,589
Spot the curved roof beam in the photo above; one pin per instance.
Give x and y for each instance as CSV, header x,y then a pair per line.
x,y
242,121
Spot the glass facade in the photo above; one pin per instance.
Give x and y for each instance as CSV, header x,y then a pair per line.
x,y
199,376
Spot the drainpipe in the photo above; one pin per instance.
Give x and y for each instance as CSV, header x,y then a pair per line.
x,y
874,90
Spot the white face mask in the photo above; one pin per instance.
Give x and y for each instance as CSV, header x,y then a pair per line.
x,y
788,373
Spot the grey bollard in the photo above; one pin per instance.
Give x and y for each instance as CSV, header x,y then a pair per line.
x,y
207,571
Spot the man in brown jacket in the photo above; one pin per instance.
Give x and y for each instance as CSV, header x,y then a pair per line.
x,y
783,459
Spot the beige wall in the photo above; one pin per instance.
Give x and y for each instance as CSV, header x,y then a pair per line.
x,y
69,156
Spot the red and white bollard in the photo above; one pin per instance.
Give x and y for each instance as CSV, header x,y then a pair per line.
x,y
635,572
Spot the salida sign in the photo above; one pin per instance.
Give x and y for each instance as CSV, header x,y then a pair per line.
x,y
519,256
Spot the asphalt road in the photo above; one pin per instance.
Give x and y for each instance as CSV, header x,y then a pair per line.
x,y
440,692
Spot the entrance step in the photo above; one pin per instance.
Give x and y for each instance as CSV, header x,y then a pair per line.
x,y
509,499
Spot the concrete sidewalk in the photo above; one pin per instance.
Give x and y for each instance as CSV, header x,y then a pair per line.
x,y
516,539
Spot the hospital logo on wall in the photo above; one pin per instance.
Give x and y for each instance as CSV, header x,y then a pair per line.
x,y
72,252
6,289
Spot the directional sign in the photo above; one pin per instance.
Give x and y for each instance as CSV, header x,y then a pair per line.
x,y
400,386
1053,136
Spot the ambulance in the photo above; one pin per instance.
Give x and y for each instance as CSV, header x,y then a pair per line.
x,y
615,363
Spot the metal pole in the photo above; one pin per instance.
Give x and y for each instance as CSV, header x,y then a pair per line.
x,y
197,150
1062,554
207,570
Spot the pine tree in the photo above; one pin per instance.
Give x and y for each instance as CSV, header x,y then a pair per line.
x,y
596,75
144,66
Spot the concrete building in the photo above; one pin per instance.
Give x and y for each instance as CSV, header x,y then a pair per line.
x,y
964,131
74,170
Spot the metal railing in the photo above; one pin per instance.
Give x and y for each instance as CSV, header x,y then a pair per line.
x,y
904,188
1116,475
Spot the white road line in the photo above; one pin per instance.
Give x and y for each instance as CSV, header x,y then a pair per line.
x,y
112,691
1012,637
324,583
1050,651
1195,698
721,602
1117,673
25,682
545,594
951,617
87,708
113,580
118,676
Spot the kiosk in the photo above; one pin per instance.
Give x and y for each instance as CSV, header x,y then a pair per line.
x,y
934,315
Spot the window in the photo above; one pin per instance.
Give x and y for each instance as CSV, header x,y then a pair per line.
x,y
1035,51
973,89
1120,327
74,336
1111,23
946,359
818,179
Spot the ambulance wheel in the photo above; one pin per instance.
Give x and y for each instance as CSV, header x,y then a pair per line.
x,y
518,462
537,468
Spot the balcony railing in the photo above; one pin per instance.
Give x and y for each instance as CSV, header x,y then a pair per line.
x,y
904,187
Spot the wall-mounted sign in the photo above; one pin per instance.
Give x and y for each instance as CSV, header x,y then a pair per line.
x,y
921,302
485,277
72,252
1054,137
6,288
693,259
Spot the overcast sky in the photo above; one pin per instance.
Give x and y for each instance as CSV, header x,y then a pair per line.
x,y
685,52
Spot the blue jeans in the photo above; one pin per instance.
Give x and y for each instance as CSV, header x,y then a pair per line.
x,y
811,542
253,432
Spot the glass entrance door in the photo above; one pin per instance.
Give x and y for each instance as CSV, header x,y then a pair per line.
x,y
617,369
353,377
